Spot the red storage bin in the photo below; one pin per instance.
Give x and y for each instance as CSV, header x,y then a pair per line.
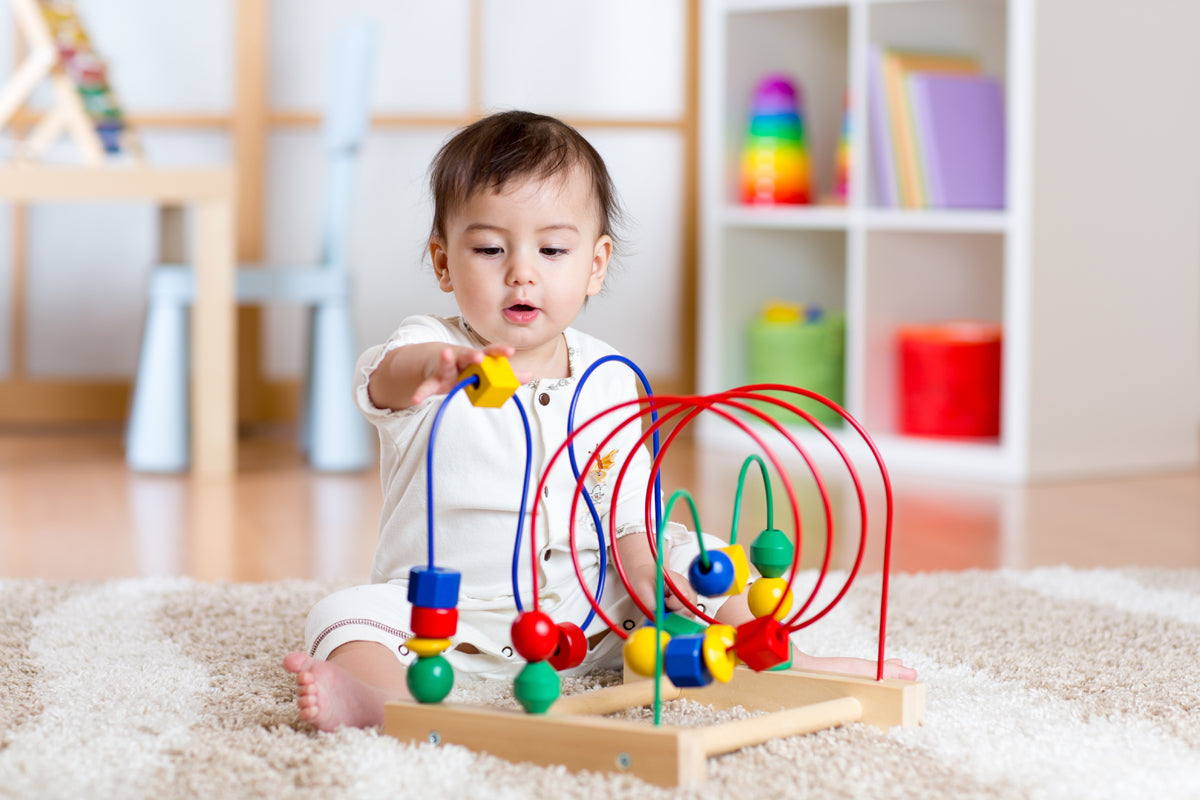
x,y
950,379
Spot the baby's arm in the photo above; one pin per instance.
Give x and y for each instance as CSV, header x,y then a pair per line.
x,y
408,375
642,571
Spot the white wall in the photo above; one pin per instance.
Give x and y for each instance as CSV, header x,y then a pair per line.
x,y
621,59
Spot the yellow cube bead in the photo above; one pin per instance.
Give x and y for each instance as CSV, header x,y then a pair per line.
x,y
741,568
425,648
497,382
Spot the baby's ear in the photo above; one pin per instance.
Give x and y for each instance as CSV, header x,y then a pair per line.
x,y
437,254
600,258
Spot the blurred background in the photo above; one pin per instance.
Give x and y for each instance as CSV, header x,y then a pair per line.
x,y
1090,266
246,82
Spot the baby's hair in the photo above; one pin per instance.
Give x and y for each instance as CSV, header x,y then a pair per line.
x,y
514,145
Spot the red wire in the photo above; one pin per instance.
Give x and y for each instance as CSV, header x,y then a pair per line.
x,y
888,506
670,407
579,487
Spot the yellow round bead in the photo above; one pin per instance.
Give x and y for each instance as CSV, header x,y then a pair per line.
x,y
764,595
639,650
718,651
427,647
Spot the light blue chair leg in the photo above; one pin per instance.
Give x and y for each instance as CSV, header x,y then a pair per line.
x,y
157,436
334,430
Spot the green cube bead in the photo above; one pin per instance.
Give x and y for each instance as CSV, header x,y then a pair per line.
x,y
679,625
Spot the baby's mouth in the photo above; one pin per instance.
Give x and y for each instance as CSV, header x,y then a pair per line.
x,y
520,312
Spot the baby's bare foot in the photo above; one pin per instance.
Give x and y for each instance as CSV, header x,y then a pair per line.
x,y
328,697
892,667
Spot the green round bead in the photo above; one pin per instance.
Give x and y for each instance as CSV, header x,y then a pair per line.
x,y
430,679
771,554
536,687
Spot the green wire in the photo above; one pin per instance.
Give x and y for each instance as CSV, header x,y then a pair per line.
x,y
660,590
686,495
659,603
737,498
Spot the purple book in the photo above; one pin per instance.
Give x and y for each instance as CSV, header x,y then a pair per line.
x,y
960,137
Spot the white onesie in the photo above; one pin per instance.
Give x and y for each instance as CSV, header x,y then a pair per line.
x,y
478,466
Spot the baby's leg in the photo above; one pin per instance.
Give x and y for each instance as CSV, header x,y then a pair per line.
x,y
892,667
350,688
736,611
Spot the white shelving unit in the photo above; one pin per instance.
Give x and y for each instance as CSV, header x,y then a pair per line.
x,y
1093,268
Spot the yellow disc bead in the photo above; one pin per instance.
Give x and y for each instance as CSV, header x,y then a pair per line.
x,y
764,595
639,650
425,648
718,651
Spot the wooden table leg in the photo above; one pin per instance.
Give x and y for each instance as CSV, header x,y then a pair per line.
x,y
214,336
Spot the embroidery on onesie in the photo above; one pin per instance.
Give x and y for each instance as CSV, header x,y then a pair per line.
x,y
598,475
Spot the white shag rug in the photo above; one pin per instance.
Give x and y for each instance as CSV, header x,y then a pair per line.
x,y
1048,683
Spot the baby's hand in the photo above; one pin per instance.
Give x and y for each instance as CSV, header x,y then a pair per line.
x,y
442,370
644,582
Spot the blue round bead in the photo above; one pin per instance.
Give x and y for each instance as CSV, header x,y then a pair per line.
x,y
714,581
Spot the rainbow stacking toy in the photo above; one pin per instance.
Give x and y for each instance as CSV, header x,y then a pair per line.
x,y
774,161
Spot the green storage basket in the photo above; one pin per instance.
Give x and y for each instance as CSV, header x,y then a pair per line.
x,y
807,354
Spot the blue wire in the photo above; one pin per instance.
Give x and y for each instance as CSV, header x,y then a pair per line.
x,y
437,420
575,468
524,501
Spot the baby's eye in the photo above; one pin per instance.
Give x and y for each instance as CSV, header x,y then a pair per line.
x,y
552,252
488,251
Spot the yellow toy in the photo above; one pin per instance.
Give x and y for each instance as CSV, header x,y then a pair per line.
x,y
497,382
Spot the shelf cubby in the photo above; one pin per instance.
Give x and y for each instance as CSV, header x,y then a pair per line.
x,y
1090,268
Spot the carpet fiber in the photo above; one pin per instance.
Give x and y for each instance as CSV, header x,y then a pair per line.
x,y
1049,683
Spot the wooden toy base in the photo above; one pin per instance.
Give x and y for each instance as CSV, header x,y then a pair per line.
x,y
575,733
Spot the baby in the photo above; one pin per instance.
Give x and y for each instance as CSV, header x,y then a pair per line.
x,y
524,211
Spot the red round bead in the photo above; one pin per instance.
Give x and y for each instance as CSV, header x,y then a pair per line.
x,y
534,635
434,623
572,647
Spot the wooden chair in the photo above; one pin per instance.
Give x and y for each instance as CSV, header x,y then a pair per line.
x,y
332,431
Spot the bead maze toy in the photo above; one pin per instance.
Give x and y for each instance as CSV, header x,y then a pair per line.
x,y
671,656
84,106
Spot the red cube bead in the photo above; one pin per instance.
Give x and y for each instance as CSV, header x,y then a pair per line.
x,y
434,623
762,643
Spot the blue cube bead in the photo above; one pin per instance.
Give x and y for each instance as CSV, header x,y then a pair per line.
x,y
433,587
683,661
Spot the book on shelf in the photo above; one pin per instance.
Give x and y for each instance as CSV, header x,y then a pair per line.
x,y
882,147
959,126
899,169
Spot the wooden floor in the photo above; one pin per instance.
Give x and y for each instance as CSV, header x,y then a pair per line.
x,y
70,510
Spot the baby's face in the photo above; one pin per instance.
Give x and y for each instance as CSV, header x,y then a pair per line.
x,y
521,262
